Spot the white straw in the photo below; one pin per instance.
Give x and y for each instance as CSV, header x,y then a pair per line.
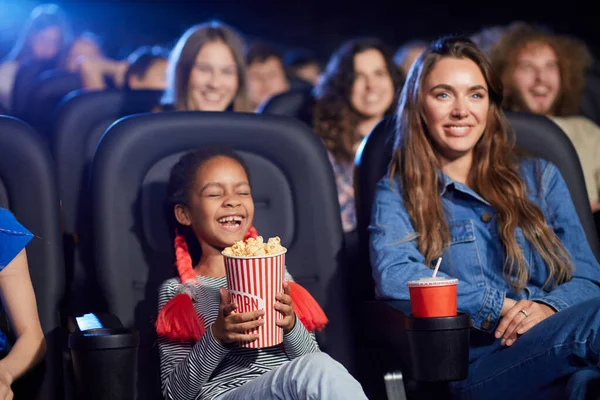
x,y
437,267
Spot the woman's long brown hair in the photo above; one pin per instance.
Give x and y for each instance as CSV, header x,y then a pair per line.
x,y
494,174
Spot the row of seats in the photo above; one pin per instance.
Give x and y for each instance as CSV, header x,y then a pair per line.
x,y
132,250
74,127
121,184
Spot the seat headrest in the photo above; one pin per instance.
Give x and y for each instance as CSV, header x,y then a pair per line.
x,y
295,103
299,84
590,98
25,82
81,119
49,91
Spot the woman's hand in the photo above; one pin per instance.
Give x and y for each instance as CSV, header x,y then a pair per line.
x,y
232,327
5,382
286,309
523,316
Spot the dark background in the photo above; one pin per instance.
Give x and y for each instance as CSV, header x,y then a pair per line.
x,y
317,25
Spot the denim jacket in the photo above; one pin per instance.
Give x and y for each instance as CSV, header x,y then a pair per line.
x,y
476,255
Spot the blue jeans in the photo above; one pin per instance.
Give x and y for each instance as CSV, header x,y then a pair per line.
x,y
556,359
312,376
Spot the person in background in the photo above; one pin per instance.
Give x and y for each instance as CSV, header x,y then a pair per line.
x,y
206,71
357,89
504,225
543,73
406,54
302,65
97,71
147,69
45,36
266,75
18,301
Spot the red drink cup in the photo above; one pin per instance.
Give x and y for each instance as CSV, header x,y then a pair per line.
x,y
253,283
433,297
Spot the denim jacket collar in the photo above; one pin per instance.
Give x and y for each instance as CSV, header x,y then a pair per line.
x,y
446,183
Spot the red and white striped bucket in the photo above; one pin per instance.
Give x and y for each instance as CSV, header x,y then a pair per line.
x,y
253,283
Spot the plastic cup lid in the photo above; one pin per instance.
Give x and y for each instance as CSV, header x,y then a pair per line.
x,y
429,281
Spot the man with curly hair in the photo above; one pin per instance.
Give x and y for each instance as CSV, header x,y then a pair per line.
x,y
543,73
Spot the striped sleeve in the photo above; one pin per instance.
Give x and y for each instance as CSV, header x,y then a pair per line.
x,y
299,341
186,367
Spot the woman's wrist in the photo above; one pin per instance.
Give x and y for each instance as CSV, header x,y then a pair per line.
x,y
508,304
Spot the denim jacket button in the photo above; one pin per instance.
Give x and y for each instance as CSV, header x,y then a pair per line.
x,y
486,216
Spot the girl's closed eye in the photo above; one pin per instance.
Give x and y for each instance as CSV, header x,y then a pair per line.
x,y
243,190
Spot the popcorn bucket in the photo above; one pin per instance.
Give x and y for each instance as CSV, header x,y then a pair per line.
x,y
253,283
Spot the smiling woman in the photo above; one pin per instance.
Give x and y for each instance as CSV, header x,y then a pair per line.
x,y
504,225
359,87
206,70
455,107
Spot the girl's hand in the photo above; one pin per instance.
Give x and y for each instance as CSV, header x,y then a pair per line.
x,y
232,327
286,309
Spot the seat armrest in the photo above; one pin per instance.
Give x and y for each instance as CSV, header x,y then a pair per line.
x,y
424,349
384,322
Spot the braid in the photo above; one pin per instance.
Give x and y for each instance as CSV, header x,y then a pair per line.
x,y
178,319
183,260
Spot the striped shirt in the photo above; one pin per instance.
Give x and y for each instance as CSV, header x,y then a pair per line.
x,y
207,369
